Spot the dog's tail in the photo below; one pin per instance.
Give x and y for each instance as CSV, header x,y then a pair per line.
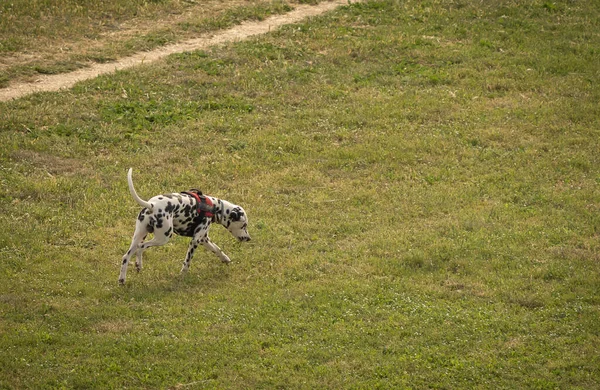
x,y
141,201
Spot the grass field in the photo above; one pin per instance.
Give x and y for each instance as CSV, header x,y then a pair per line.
x,y
41,37
422,180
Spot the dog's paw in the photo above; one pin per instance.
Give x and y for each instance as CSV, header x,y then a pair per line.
x,y
138,267
121,282
225,259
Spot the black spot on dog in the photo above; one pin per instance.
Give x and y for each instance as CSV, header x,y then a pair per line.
x,y
151,224
160,198
169,232
190,226
170,207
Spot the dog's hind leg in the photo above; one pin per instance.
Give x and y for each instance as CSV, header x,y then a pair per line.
x,y
162,234
161,237
190,253
138,238
138,259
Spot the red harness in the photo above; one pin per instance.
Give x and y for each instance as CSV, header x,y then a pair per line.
x,y
204,205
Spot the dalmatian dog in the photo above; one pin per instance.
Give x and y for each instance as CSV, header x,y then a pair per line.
x,y
187,214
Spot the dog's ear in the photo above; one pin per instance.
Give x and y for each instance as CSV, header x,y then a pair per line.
x,y
235,215
196,191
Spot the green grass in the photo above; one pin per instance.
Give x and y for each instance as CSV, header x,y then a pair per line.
x,y
50,37
422,185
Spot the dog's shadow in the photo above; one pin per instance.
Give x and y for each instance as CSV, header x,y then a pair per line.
x,y
148,286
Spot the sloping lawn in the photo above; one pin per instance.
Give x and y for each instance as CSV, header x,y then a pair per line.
x,y
422,181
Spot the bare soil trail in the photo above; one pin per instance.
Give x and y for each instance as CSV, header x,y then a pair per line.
x,y
47,83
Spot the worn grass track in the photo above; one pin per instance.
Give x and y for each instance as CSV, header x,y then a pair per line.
x,y
245,26
41,38
422,185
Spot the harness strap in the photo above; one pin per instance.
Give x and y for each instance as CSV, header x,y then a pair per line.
x,y
204,205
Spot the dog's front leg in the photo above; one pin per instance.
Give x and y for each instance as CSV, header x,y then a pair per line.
x,y
208,244
200,234
211,246
190,253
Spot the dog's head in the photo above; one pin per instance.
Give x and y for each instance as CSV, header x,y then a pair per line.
x,y
237,223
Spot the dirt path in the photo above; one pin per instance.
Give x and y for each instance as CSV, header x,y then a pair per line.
x,y
67,80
